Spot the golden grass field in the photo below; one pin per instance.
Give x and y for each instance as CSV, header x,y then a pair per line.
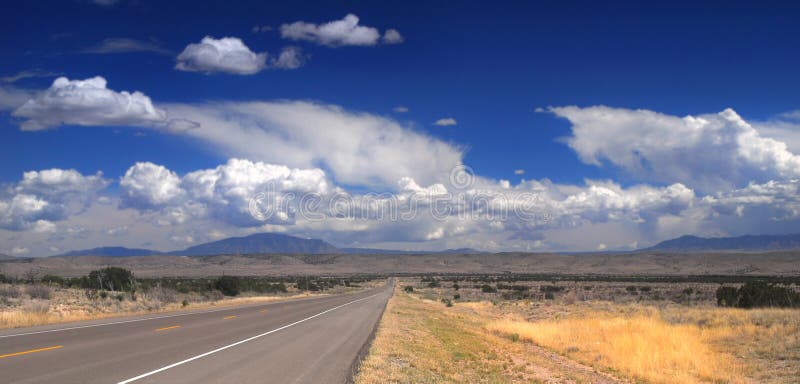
x,y
495,341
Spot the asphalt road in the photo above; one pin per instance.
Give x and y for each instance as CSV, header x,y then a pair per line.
x,y
313,340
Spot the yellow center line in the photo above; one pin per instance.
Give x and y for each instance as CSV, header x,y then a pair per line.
x,y
228,317
31,351
166,328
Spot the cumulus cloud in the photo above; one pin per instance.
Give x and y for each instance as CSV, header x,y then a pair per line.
x,y
357,148
710,152
149,186
784,127
223,193
87,102
446,122
42,197
231,55
337,33
227,55
124,45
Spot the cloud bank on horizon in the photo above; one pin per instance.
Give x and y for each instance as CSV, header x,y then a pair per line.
x,y
371,179
324,150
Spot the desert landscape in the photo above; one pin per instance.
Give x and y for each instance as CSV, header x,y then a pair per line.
x,y
729,263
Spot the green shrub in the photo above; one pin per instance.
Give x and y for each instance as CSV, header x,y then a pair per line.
x,y
228,285
727,296
447,302
408,288
456,296
486,288
758,294
184,303
51,279
112,279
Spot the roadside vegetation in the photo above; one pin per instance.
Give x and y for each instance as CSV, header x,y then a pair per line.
x,y
36,300
632,330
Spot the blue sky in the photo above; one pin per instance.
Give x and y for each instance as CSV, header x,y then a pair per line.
x,y
488,66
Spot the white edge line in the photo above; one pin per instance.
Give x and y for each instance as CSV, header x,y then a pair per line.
x,y
240,342
145,319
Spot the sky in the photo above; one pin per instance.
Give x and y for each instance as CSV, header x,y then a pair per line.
x,y
498,126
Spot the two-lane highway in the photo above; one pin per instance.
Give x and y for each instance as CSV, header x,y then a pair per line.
x,y
313,340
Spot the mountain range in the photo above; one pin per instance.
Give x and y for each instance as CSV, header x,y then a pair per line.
x,y
259,243
266,243
739,243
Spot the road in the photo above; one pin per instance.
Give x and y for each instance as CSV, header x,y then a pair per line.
x,y
310,340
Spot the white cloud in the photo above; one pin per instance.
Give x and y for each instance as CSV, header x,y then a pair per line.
x,y
42,197
150,186
227,55
118,231
784,127
392,36
400,109
357,148
519,171
446,122
223,193
87,102
336,33
124,45
20,251
289,58
709,152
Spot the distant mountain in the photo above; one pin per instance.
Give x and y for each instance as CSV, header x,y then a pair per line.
x,y
255,244
378,251
112,252
6,257
741,243
260,243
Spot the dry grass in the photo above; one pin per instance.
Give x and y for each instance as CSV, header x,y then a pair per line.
x,y
673,344
421,341
636,338
639,347
68,305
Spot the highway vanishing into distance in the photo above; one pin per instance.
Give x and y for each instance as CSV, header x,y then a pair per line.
x,y
309,340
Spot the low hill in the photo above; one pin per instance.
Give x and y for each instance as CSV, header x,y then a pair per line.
x,y
6,257
739,243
